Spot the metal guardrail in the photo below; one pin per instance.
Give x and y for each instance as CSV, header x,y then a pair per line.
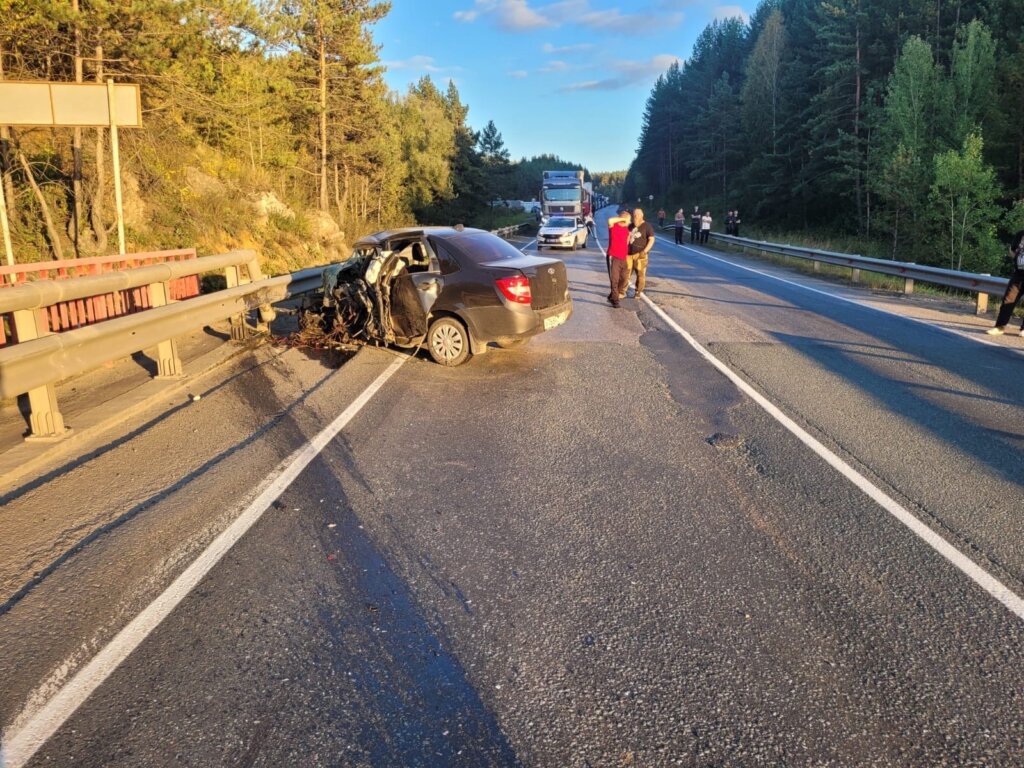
x,y
506,231
75,313
41,358
982,285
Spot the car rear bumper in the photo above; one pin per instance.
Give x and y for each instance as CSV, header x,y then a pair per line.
x,y
556,243
490,324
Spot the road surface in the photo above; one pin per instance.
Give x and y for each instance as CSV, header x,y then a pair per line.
x,y
592,551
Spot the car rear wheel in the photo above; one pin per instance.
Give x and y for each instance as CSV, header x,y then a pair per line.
x,y
448,342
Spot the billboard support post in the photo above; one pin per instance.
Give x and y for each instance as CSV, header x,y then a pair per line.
x,y
116,152
6,226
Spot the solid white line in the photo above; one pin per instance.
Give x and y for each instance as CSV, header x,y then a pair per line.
x,y
855,302
32,729
981,577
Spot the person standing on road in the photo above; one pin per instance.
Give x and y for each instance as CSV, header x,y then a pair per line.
x,y
680,219
641,240
728,223
1013,289
661,218
736,223
705,227
617,255
588,221
695,224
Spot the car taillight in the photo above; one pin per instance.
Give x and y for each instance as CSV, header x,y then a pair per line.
x,y
515,289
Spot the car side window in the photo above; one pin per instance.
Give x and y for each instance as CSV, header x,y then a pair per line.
x,y
447,262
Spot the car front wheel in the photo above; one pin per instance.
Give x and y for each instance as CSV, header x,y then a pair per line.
x,y
448,342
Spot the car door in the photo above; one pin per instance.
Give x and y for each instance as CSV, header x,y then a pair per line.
x,y
413,294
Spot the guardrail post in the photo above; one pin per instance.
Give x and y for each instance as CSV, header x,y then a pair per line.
x,y
45,419
168,363
817,266
234,278
855,275
908,286
267,314
982,306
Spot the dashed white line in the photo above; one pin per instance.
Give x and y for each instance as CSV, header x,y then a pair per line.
x,y
31,729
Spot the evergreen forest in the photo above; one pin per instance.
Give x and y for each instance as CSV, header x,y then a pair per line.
x,y
898,122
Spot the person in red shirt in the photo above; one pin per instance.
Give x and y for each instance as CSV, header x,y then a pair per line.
x,y
618,254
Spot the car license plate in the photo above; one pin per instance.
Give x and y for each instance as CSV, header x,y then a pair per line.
x,y
555,320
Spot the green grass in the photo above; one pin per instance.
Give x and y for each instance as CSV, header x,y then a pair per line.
x,y
497,218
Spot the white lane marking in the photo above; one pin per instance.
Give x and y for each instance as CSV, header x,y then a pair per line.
x,y
931,324
968,567
32,729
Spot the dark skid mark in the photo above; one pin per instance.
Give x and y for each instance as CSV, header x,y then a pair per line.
x,y
723,440
415,691
693,383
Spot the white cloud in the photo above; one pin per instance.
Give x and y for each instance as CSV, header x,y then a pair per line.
x,y
419,64
564,49
628,73
555,66
519,74
512,15
520,16
723,12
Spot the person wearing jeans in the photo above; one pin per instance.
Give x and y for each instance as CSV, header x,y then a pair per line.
x,y
618,255
1013,289
641,240
705,227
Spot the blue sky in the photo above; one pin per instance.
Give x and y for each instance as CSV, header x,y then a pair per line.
x,y
568,77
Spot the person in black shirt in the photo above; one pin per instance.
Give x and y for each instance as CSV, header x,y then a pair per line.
x,y
695,224
641,240
736,223
1013,289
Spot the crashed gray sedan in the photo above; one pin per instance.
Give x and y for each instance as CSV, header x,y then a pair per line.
x,y
454,290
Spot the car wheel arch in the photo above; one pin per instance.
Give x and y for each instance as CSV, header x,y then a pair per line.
x,y
475,347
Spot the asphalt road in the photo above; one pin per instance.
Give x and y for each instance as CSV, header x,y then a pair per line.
x,y
592,551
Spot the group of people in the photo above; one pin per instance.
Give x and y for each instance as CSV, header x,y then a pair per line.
x,y
630,240
700,225
732,223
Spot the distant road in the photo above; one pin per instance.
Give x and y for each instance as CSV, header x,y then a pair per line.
x,y
595,550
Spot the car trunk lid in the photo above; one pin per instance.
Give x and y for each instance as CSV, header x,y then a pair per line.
x,y
549,284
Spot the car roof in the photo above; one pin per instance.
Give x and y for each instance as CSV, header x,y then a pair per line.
x,y
444,233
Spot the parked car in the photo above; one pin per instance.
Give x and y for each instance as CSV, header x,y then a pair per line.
x,y
562,232
453,290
